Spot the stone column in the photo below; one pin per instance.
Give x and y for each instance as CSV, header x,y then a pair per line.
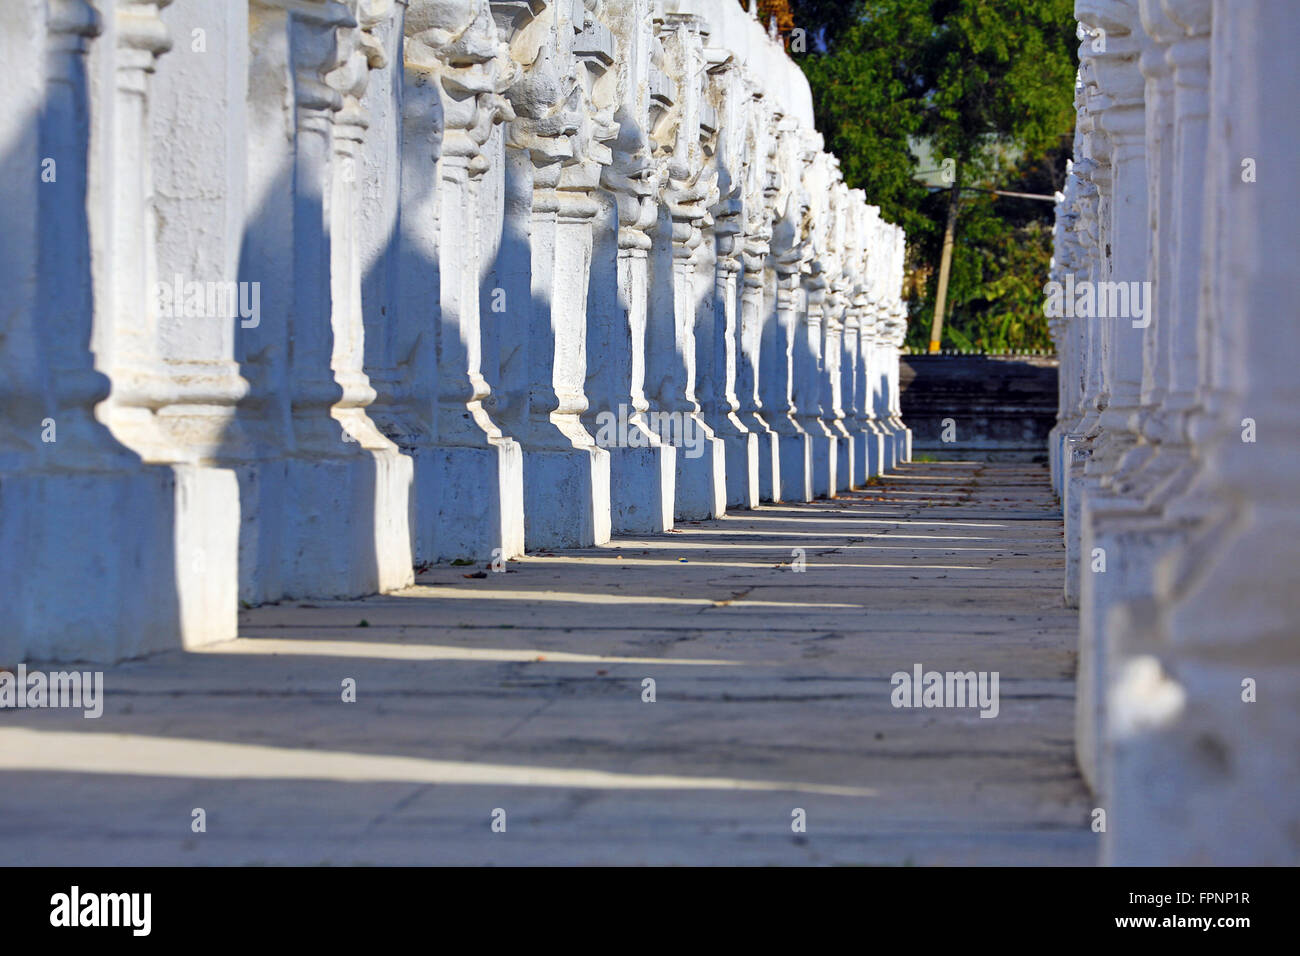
x,y
854,370
1158,99
730,99
760,190
172,413
24,391
832,389
643,468
1085,343
689,190
852,382
555,151
126,341
869,331
1122,119
896,331
378,173
1064,263
1094,171
900,257
86,542
199,100
469,477
789,238
1117,538
809,358
389,519
1185,29
314,494
829,382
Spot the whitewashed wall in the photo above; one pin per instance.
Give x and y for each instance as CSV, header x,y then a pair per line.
x,y
1178,441
305,293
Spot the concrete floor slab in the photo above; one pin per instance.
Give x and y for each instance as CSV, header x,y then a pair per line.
x,y
522,692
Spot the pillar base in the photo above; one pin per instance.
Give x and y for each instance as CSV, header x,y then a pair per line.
x,y
1131,540
845,460
875,452
702,482
769,466
642,483
889,451
859,456
207,548
344,525
566,498
469,502
795,452
824,453
742,467
1074,459
90,564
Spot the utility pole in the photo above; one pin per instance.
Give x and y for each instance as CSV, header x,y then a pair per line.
x,y
945,258
945,263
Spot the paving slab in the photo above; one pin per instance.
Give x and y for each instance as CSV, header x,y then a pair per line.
x,y
519,696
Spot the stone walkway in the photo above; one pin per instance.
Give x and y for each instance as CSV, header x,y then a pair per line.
x,y
523,692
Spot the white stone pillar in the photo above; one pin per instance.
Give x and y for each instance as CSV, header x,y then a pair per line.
x,y
789,238
689,190
391,480
469,476
809,357
78,506
1062,328
1185,29
327,516
199,98
869,332
754,364
378,173
897,326
854,369
730,99
1153,424
830,383
173,381
1116,532
1095,172
1123,121
555,151
642,467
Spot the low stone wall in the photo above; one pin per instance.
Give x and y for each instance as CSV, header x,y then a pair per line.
x,y
982,407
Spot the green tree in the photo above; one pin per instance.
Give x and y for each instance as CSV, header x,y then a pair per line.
x,y
987,84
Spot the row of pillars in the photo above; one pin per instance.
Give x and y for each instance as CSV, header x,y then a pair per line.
x,y
305,294
1172,303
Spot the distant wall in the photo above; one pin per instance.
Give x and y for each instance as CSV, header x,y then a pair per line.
x,y
1001,406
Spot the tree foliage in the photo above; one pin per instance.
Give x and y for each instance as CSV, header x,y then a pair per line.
x,y
986,83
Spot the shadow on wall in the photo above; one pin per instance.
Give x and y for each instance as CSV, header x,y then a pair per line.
x,y
989,407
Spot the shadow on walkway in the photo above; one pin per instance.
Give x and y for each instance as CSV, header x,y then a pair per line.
x,y
523,691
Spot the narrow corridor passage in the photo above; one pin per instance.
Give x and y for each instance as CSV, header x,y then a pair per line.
x,y
520,698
